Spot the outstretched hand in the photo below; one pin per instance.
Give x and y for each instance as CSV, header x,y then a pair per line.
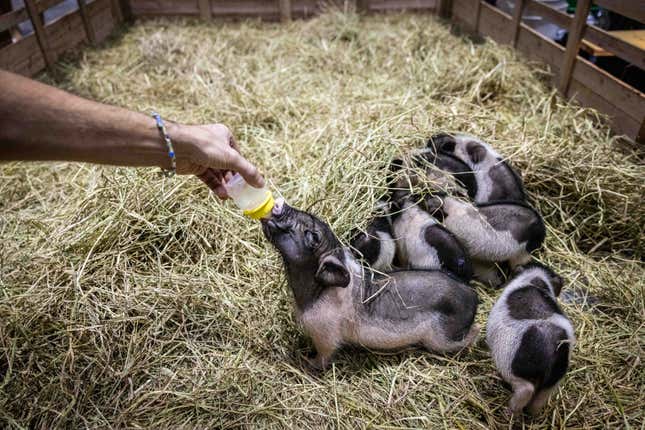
x,y
43,123
211,153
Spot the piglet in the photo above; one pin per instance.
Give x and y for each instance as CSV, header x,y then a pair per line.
x,y
423,243
338,301
491,232
437,163
529,336
375,244
494,178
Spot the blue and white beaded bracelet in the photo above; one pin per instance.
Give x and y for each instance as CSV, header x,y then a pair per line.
x,y
171,151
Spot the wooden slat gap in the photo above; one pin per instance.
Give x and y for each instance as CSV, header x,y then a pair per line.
x,y
634,9
628,52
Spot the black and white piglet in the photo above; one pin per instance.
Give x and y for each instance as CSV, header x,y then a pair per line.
x,y
494,178
491,232
375,244
437,163
529,336
339,301
425,168
423,243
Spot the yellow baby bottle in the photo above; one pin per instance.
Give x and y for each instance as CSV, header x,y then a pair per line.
x,y
256,203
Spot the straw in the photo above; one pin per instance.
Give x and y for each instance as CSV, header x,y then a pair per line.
x,y
130,301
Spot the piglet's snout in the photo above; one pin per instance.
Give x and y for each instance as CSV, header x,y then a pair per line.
x,y
278,207
281,219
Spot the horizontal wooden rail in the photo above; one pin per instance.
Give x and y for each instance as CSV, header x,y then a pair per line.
x,y
634,9
606,40
583,81
43,5
13,18
555,16
25,56
628,52
267,9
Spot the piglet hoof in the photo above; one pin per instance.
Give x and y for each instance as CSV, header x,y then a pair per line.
x,y
514,416
534,411
318,363
471,337
508,413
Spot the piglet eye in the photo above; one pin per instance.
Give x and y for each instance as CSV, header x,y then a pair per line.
x,y
312,239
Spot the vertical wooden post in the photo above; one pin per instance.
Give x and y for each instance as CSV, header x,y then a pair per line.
x,y
362,6
285,10
124,9
517,21
39,29
478,11
573,44
87,23
117,14
445,8
205,9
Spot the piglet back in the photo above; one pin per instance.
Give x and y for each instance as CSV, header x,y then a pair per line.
x,y
543,355
522,220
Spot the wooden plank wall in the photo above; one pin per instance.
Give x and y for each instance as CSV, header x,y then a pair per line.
x,y
29,54
575,77
266,9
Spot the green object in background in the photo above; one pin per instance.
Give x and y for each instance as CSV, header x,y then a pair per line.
x,y
571,7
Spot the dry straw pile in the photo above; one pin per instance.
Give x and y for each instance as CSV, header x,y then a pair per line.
x,y
132,301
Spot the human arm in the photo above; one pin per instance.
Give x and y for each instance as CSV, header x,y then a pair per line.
x,y
42,123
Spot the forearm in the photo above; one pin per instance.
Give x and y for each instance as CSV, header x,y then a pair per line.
x,y
39,122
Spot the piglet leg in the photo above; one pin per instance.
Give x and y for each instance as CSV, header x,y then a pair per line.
x,y
540,400
522,394
324,353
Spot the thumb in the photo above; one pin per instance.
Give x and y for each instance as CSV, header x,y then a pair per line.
x,y
249,172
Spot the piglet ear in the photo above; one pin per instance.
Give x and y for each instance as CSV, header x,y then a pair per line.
x,y
442,142
557,282
332,272
433,204
476,152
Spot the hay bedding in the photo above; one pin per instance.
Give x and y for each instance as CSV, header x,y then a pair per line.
x,y
129,301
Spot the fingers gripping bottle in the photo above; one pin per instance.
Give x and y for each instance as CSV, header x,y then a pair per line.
x,y
255,202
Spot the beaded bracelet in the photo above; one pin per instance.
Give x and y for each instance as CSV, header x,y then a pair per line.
x,y
171,151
